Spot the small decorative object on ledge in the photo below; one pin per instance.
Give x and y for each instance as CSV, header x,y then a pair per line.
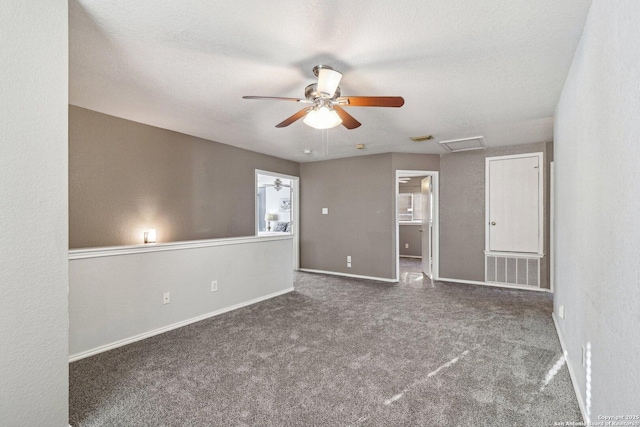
x,y
150,236
270,217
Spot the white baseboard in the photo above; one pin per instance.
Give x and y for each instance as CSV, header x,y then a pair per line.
x,y
572,373
495,285
357,276
410,256
139,337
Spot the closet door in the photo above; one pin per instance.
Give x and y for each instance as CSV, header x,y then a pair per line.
x,y
514,203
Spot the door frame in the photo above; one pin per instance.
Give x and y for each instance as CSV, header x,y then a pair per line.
x,y
295,194
487,207
427,225
552,227
435,237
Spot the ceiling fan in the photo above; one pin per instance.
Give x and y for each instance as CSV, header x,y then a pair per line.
x,y
277,184
326,109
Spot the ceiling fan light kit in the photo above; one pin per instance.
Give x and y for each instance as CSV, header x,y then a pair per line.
x,y
326,111
322,117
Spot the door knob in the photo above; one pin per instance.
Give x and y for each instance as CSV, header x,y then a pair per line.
x,y
421,230
493,223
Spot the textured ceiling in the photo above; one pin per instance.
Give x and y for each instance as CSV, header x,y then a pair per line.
x,y
465,68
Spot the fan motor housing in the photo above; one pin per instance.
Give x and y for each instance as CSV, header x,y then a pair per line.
x,y
311,93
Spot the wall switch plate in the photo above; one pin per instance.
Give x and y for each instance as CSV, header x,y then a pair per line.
x,y
561,311
166,298
348,265
406,246
325,211
349,258
214,286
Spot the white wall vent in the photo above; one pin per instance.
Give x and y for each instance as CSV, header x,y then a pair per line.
x,y
465,144
512,270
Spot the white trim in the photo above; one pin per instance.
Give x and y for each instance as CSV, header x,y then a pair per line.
x,y
494,285
487,208
409,223
552,226
139,337
173,246
515,254
295,194
410,256
356,276
572,373
435,226
276,174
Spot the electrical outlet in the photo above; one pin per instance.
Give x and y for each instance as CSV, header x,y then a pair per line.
x,y
166,298
214,286
406,246
561,311
348,265
349,258
325,211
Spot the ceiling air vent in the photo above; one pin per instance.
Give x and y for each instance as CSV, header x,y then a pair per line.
x,y
465,144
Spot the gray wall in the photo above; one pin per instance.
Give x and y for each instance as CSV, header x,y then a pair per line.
x,y
126,177
420,162
360,195
597,200
411,235
462,211
33,214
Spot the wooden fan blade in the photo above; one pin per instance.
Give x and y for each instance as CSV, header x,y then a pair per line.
x,y
297,116
347,119
274,97
371,101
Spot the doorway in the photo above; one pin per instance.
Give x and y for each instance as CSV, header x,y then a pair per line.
x,y
416,219
277,207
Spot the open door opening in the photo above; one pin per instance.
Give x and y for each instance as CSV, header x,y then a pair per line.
x,y
277,207
417,221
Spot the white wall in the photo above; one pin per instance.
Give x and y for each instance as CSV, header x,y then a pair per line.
x,y
116,294
33,213
597,154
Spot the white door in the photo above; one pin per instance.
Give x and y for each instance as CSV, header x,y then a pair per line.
x,y
514,208
427,223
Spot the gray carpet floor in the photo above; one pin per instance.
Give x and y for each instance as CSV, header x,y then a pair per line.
x,y
342,352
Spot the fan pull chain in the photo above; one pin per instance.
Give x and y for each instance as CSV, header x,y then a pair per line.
x,y
326,142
